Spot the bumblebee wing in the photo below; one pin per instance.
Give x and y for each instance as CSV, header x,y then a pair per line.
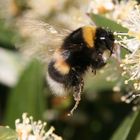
x,y
40,39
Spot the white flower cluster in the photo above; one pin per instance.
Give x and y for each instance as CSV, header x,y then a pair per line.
x,y
113,9
127,13
100,6
32,130
131,63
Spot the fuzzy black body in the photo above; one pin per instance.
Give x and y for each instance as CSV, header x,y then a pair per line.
x,y
81,50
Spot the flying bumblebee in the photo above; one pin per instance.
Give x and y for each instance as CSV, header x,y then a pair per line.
x,y
81,49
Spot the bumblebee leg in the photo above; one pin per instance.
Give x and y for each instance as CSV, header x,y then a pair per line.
x,y
78,89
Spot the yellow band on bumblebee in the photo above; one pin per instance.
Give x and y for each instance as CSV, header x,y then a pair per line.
x,y
89,35
60,64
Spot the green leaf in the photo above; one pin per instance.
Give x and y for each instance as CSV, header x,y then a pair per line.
x,y
27,96
129,129
7,134
102,21
7,35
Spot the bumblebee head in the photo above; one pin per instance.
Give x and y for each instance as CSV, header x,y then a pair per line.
x,y
96,37
104,40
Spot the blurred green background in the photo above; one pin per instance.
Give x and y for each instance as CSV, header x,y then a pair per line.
x,y
100,116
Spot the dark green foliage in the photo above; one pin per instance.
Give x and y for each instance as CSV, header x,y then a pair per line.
x,y
27,95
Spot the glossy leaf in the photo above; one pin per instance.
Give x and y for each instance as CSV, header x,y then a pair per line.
x,y
27,96
102,21
129,129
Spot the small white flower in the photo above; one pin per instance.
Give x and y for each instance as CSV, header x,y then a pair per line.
x,y
114,10
132,22
100,6
132,41
131,63
131,66
31,130
122,9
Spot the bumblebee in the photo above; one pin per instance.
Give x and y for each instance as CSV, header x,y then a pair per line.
x,y
79,50
82,49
